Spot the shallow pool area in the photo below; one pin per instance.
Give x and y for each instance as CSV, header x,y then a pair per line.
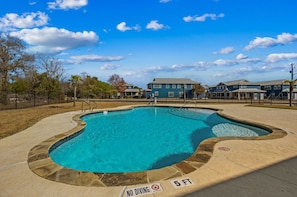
x,y
144,138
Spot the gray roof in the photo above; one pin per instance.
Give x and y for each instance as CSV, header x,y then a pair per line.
x,y
239,82
249,90
132,90
173,81
274,82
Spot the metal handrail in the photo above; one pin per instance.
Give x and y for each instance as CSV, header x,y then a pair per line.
x,y
90,104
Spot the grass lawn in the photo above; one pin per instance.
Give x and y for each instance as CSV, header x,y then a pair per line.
x,y
14,121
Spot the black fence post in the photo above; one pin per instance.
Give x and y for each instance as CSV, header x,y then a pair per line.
x,y
16,100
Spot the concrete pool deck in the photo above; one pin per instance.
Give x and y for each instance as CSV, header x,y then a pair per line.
x,y
237,167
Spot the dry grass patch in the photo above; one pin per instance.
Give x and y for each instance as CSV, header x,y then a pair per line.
x,y
14,121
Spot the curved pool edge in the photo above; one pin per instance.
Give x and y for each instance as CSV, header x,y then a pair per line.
x,y
41,164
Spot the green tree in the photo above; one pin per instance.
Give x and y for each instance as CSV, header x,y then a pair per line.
x,y
106,90
89,87
49,86
52,75
13,61
19,85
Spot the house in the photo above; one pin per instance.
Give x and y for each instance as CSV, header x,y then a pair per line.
x,y
130,91
278,89
239,89
171,88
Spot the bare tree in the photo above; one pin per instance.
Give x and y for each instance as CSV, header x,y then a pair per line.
x,y
52,75
118,83
198,89
51,65
13,61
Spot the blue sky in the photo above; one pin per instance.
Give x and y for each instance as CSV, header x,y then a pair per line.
x,y
208,41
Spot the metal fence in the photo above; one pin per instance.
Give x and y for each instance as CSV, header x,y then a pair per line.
x,y
21,101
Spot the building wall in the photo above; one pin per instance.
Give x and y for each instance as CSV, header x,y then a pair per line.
x,y
274,90
171,90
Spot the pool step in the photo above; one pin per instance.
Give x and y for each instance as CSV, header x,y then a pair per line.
x,y
185,113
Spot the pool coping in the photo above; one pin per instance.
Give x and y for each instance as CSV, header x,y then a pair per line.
x,y
41,164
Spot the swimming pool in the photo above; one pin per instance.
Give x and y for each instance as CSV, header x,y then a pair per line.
x,y
143,138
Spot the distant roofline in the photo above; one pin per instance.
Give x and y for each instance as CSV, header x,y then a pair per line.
x,y
273,82
173,81
246,82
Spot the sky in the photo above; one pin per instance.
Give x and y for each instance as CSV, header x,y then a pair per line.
x,y
208,41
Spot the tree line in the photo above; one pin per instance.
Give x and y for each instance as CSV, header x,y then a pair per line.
x,y
32,76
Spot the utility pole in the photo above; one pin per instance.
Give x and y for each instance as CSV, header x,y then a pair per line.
x,y
292,71
291,83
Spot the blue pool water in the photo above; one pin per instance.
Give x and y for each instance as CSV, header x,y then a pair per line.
x,y
143,138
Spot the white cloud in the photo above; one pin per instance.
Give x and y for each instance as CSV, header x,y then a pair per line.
x,y
226,50
164,1
154,69
198,66
221,62
249,60
243,70
218,75
201,66
241,56
240,59
265,42
202,18
276,57
13,21
32,3
154,25
67,4
109,67
106,30
123,27
93,58
54,40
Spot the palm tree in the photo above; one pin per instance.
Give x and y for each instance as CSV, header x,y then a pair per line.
x,y
292,83
75,81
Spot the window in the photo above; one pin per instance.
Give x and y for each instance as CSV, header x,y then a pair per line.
x,y
170,94
156,93
181,94
221,87
173,86
277,87
167,86
178,86
157,86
